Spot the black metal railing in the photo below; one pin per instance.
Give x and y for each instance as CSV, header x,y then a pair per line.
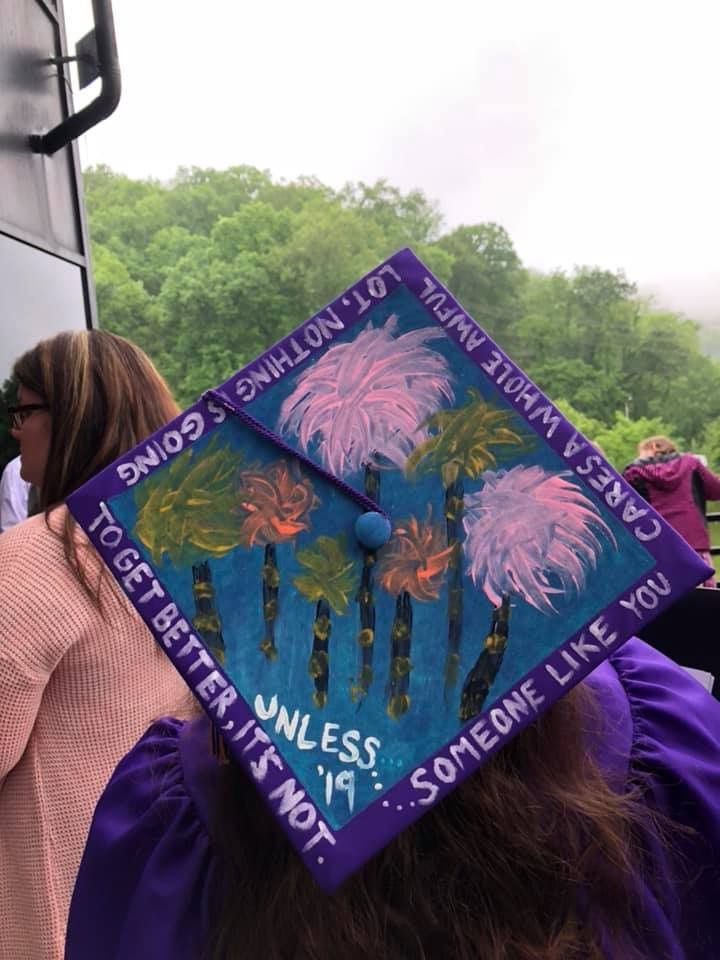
x,y
713,518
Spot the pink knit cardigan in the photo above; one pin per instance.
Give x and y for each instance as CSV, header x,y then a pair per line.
x,y
76,691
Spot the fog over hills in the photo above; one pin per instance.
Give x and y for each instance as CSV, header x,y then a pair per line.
x,y
698,297
587,135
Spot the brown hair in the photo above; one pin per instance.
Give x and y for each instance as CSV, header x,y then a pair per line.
x,y
500,870
104,396
656,446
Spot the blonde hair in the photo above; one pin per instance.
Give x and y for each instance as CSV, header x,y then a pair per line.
x,y
656,446
104,396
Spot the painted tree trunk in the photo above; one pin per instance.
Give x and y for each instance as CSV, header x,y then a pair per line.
x,y
270,585
319,663
206,620
487,666
366,636
400,663
454,504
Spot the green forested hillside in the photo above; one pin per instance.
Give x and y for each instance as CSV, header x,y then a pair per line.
x,y
206,271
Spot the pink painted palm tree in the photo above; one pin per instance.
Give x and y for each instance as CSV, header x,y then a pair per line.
x,y
364,406
364,403
463,442
532,533
526,525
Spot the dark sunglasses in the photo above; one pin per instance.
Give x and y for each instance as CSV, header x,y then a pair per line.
x,y
19,414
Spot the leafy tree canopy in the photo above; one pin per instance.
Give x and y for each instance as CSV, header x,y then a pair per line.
x,y
209,269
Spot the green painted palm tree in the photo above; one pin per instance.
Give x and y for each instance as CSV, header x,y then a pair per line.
x,y
185,514
463,442
329,577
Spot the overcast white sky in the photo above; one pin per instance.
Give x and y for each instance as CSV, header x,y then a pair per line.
x,y
589,130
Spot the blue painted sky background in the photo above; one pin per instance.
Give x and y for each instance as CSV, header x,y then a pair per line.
x,y
430,722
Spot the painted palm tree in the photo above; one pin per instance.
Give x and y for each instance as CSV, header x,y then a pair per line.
x,y
328,578
462,442
362,406
274,503
412,565
531,533
185,513
487,666
206,619
360,685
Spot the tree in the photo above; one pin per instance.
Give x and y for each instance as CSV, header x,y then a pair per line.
x,y
710,444
594,395
689,400
198,197
606,317
167,246
588,426
533,534
546,329
216,314
412,565
330,246
619,442
327,579
480,678
662,352
405,219
486,275
184,513
124,214
124,305
209,269
276,501
709,338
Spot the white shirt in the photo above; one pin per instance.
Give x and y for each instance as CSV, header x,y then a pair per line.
x,y
13,496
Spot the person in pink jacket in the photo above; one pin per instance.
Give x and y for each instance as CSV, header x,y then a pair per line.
x,y
80,674
677,485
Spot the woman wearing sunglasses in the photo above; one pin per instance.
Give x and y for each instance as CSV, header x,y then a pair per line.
x,y
80,676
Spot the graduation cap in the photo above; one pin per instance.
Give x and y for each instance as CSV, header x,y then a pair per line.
x,y
376,553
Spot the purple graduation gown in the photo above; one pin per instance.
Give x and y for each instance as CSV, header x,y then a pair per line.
x,y
144,886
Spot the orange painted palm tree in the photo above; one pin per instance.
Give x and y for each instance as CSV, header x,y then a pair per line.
x,y
463,442
274,503
413,565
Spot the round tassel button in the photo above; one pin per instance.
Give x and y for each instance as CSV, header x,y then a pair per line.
x,y
372,530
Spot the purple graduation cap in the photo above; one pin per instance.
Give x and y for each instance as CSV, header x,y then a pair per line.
x,y
376,553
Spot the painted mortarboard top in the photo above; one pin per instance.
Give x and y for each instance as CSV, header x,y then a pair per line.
x,y
356,678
